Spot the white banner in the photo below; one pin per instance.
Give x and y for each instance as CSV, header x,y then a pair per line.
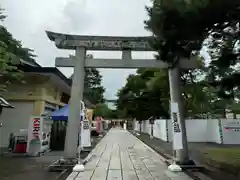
x,y
35,130
176,128
85,134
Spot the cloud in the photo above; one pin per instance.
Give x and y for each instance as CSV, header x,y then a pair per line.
x,y
28,19
76,15
112,83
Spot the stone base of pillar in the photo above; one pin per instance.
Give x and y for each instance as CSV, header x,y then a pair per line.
x,y
174,168
186,163
62,164
78,168
86,149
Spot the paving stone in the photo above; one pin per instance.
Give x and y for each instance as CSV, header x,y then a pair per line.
x,y
159,175
129,175
105,158
177,175
84,175
95,158
72,176
126,161
115,161
144,174
99,174
114,175
121,156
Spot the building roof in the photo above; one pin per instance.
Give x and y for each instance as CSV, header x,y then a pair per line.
x,y
51,70
4,103
30,63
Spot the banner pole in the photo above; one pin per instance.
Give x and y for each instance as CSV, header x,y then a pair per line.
x,y
176,140
80,167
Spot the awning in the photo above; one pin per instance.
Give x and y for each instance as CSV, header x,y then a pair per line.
x,y
61,114
5,104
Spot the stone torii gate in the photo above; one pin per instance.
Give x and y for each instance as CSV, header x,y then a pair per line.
x,y
104,43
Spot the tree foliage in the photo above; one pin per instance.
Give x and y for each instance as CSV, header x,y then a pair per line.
x,y
137,100
105,112
146,94
11,51
182,28
224,49
93,90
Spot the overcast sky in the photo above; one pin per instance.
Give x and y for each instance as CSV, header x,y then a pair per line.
x,y
28,19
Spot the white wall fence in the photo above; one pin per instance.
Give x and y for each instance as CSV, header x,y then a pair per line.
x,y
221,131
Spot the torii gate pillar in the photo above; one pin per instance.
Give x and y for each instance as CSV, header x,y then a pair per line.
x,y
74,104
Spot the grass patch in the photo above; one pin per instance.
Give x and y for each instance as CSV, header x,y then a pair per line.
x,y
224,155
227,159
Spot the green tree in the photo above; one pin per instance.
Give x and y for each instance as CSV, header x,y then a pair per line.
x,y
93,90
224,50
236,108
154,85
181,27
139,101
11,52
104,111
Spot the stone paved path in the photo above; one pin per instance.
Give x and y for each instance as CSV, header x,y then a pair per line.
x,y
121,156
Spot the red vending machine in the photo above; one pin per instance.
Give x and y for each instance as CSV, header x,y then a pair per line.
x,y
20,144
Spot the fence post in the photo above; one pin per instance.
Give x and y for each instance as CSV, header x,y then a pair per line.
x,y
167,137
140,124
220,130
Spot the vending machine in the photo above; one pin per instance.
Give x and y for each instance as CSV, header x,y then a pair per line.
x,y
19,142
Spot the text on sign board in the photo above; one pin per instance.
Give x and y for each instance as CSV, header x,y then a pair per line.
x,y
36,128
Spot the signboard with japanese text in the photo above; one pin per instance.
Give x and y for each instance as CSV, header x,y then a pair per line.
x,y
177,132
69,41
85,134
232,125
35,131
229,131
85,125
106,45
